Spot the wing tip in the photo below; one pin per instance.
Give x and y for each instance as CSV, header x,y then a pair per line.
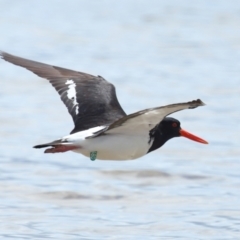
x,y
3,55
196,103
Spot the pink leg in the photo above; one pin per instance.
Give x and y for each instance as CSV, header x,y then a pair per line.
x,y
60,148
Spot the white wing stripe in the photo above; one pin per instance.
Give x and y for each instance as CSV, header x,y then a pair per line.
x,y
72,94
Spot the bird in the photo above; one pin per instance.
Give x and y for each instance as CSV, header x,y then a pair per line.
x,y
102,130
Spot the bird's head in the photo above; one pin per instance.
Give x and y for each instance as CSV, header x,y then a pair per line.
x,y
170,127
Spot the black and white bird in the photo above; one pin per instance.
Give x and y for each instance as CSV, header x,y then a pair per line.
x,y
102,129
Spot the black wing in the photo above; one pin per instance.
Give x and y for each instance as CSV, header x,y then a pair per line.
x,y
90,100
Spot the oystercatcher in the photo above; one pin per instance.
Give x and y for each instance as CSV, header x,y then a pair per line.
x,y
102,129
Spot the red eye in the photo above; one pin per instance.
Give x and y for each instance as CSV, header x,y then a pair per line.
x,y
174,125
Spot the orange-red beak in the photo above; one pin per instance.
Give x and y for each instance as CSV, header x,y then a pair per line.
x,y
186,134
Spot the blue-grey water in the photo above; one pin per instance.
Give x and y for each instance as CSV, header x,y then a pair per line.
x,y
155,53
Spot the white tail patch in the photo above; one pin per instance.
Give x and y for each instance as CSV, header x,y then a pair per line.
x,y
72,94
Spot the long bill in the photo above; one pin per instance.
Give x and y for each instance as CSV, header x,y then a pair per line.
x,y
186,134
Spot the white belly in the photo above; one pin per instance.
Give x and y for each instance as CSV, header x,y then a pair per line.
x,y
114,147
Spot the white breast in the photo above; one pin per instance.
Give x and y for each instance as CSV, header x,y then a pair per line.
x,y
111,146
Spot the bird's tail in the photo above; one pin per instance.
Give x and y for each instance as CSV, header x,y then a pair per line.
x,y
56,146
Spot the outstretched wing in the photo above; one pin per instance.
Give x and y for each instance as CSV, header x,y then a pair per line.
x,y
143,121
90,100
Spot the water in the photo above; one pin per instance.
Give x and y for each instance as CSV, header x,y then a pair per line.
x,y
155,53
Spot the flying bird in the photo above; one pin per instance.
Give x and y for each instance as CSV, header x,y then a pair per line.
x,y
102,130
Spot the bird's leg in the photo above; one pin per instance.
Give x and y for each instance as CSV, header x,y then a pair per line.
x,y
60,149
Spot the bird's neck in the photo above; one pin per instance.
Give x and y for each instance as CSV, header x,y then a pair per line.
x,y
158,141
157,138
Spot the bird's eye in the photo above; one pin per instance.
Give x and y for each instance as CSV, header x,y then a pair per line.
x,y
174,124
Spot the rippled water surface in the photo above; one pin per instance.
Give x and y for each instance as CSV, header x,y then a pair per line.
x,y
155,53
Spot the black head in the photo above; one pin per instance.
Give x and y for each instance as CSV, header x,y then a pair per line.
x,y
169,128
